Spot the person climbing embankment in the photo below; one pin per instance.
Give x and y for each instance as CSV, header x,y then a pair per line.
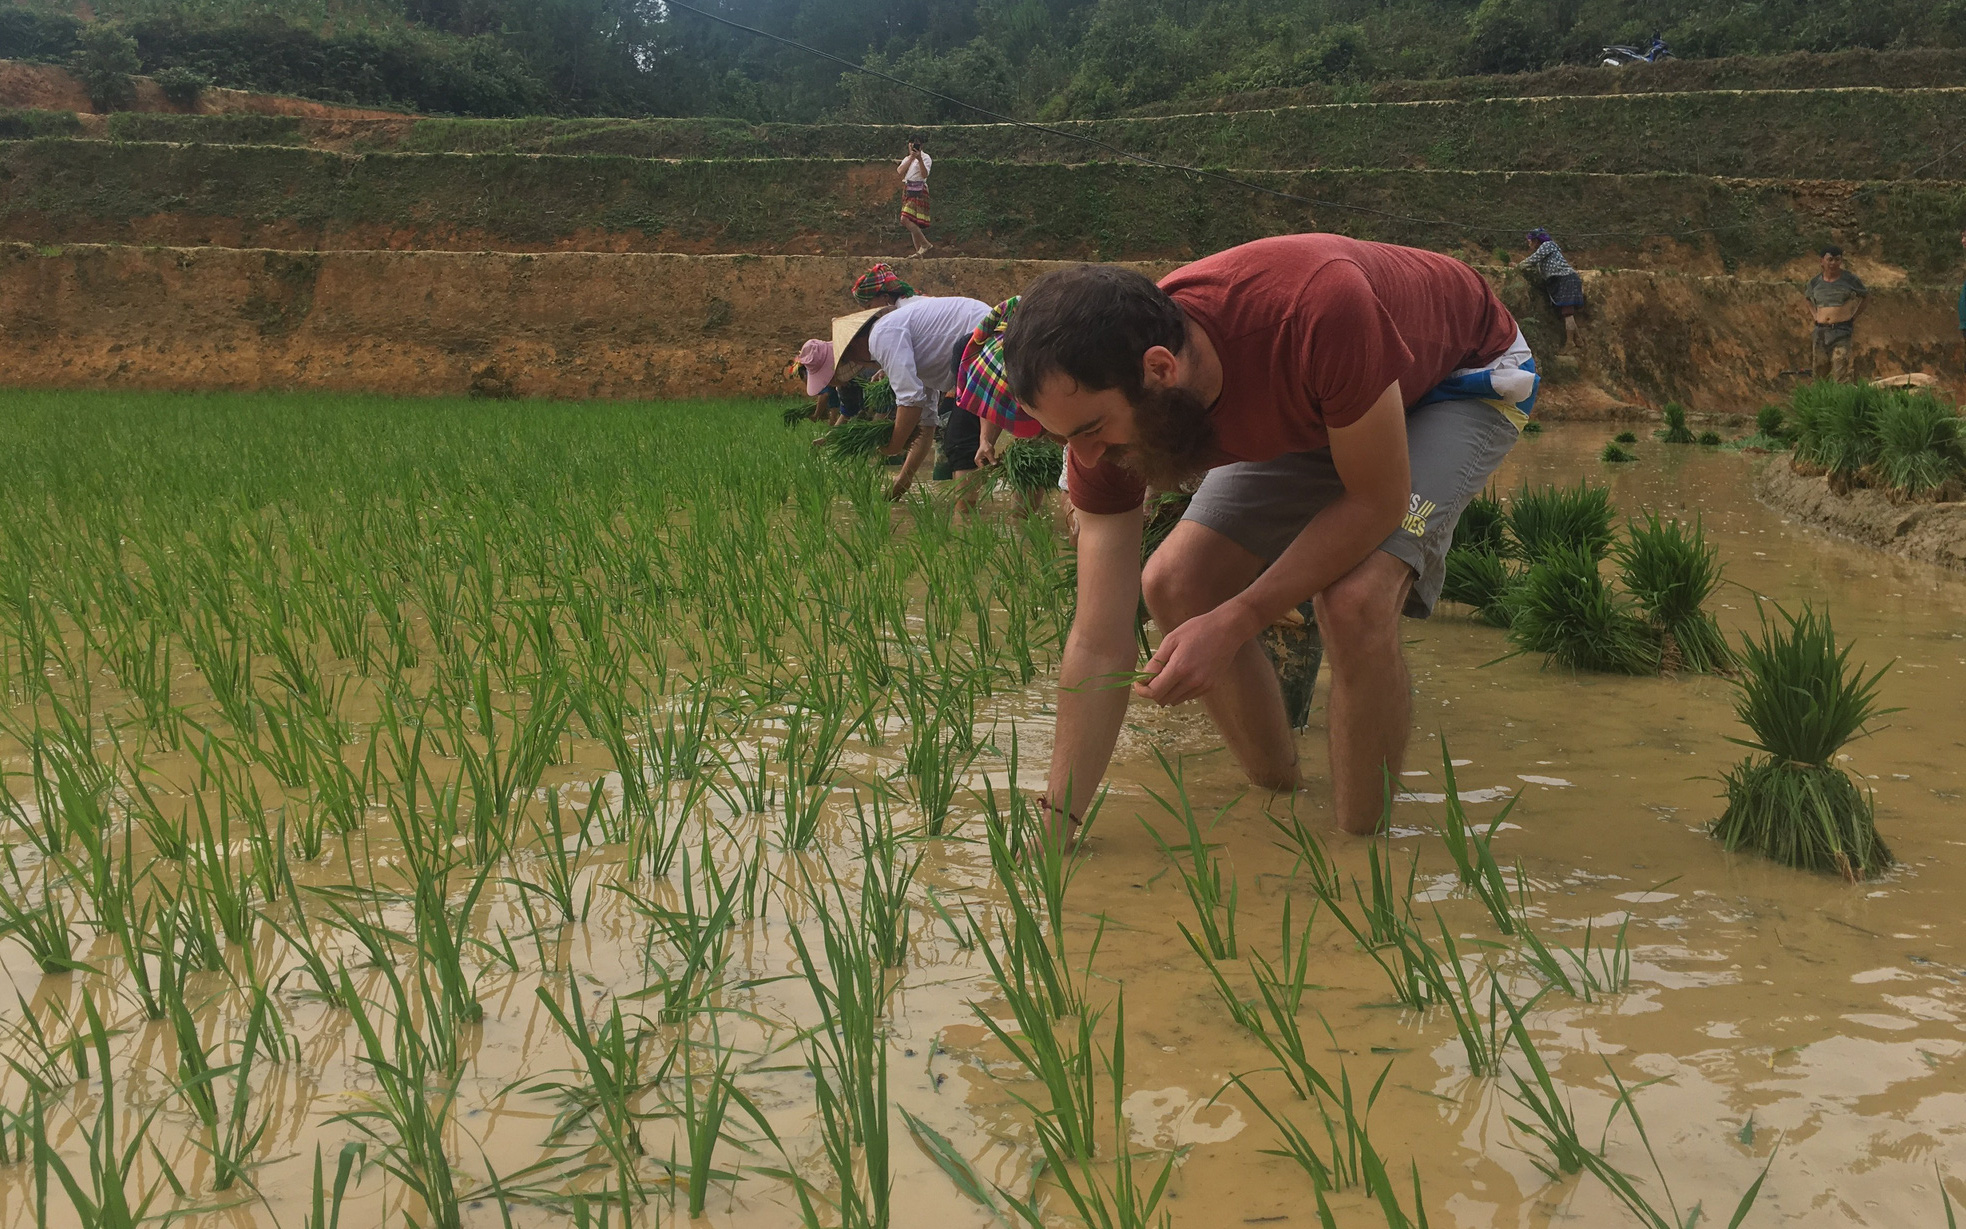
x,y
915,213
1546,268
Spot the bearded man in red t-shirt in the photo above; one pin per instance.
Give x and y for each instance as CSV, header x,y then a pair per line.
x,y
1340,402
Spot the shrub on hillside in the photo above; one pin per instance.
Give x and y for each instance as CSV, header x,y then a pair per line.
x,y
105,60
182,85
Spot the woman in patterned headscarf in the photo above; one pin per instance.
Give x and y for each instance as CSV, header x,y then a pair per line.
x,y
880,286
1546,266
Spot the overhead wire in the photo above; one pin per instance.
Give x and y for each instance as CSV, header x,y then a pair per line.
x,y
1200,172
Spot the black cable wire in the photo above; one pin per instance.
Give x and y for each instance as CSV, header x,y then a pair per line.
x,y
1176,166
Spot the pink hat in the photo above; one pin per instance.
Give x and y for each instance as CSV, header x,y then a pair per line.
x,y
816,357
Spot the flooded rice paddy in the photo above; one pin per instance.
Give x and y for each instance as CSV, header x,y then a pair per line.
x,y
234,888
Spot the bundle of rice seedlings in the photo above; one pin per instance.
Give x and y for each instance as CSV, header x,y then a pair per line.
x,y
1809,414
1033,465
877,395
1803,700
1483,526
1769,422
796,413
1565,611
1532,427
1617,453
1626,437
1479,579
1544,519
1672,570
1710,439
1675,432
1920,444
859,437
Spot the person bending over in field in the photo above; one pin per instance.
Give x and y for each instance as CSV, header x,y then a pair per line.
x,y
1341,402
919,344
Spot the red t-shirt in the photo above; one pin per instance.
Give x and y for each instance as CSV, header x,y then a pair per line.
x,y
1310,330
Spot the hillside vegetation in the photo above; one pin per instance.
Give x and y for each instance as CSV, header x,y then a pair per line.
x,y
1030,58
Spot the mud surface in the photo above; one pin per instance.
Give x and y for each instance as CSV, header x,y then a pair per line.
x,y
1774,1012
646,325
1928,532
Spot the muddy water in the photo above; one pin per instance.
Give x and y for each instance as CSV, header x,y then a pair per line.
x,y
1774,1012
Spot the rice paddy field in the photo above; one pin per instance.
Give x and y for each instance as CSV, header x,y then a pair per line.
x,y
454,813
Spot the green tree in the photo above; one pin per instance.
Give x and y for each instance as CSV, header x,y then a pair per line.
x,y
106,62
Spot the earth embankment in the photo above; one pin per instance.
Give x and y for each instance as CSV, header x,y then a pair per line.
x,y
58,190
647,326
1927,532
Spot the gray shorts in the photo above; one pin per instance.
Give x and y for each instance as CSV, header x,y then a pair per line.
x,y
1453,448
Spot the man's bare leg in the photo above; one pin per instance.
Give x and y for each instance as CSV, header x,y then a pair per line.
x,y
1193,572
1370,710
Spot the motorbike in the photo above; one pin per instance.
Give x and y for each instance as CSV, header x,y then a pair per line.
x,y
1619,56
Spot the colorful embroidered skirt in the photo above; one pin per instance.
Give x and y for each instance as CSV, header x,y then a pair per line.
x,y
914,206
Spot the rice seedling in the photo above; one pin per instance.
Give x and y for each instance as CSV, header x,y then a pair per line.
x,y
1566,612
1583,972
561,871
1551,1120
857,438
1671,570
1710,439
1675,430
1033,466
611,1058
1064,1065
1473,851
1201,874
699,943
324,1208
703,1112
950,1160
39,925
1481,580
1545,520
1921,444
233,1127
1308,849
887,875
796,412
1125,1201
1625,437
1770,422
1616,454
1626,1189
1339,1163
409,1114
1836,426
1802,699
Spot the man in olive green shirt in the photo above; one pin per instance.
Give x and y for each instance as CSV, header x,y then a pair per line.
x,y
1836,298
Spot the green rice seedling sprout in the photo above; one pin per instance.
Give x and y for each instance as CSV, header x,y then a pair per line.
x,y
1033,466
1921,444
1566,612
1472,848
1446,981
1481,580
950,1160
703,1112
1483,526
888,868
1551,1120
848,1055
232,1127
1201,873
1616,454
41,1061
1672,570
324,1208
1308,848
561,871
699,943
796,412
1626,1190
104,1197
611,1058
1064,1066
1341,1114
408,1115
1625,437
857,438
1547,519
1125,1201
1802,699
42,926
1675,430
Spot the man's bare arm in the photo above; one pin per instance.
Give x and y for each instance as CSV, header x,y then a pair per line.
x,y
906,419
1370,457
1099,652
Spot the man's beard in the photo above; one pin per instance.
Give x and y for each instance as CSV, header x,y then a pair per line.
x,y
1174,438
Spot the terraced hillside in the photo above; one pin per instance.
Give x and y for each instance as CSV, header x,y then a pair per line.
x,y
1726,190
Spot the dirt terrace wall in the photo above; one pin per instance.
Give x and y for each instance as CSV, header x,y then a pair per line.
x,y
1852,134
580,325
1801,70
50,87
1927,532
80,191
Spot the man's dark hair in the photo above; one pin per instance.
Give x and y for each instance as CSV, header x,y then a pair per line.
x,y
1091,322
1830,249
